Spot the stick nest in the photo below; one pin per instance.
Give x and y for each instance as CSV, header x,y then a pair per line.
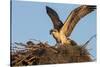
x,y
42,53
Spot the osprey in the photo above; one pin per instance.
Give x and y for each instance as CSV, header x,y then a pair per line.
x,y
61,31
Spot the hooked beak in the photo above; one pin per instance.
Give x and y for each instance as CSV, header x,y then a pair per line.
x,y
51,31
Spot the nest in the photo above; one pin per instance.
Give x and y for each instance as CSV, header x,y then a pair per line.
x,y
42,53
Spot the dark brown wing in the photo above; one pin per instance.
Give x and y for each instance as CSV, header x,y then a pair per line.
x,y
57,23
74,17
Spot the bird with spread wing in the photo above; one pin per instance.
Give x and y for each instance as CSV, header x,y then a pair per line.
x,y
62,31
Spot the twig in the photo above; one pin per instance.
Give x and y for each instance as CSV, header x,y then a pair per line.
x,y
88,41
21,44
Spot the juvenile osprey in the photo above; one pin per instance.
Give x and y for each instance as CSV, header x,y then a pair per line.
x,y
61,31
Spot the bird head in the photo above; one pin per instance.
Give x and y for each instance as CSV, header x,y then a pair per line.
x,y
52,31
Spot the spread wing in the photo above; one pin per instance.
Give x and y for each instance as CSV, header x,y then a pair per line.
x,y
75,16
57,23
